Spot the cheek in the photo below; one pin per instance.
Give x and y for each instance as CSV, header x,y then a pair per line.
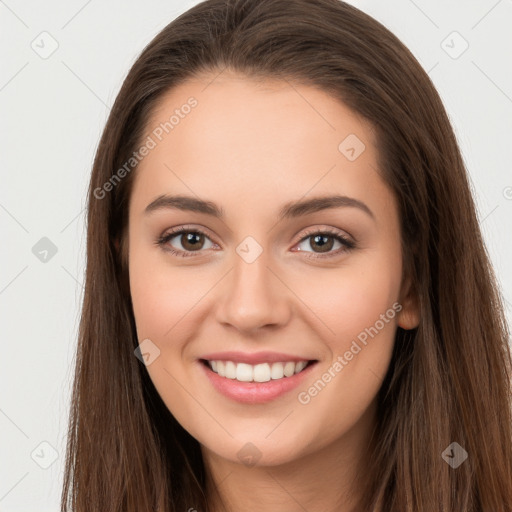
x,y
161,295
163,300
150,297
163,304
351,299
358,307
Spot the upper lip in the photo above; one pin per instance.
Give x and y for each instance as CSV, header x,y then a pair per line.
x,y
253,358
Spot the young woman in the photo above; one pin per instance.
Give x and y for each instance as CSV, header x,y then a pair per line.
x,y
288,302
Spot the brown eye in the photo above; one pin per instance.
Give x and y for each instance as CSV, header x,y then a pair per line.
x,y
183,242
191,241
323,242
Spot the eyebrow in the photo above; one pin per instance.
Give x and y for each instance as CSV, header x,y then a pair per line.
x,y
289,210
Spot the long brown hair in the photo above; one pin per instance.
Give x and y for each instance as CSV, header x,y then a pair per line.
x,y
449,379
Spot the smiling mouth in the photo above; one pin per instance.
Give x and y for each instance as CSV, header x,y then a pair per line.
x,y
263,372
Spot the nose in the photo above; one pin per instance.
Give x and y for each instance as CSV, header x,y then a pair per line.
x,y
253,296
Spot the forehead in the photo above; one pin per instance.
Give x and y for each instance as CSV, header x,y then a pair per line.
x,y
267,112
259,139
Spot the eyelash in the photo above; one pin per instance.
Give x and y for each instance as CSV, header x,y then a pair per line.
x,y
348,244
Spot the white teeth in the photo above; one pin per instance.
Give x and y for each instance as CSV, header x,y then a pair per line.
x,y
243,372
289,369
277,371
300,366
256,373
261,372
230,370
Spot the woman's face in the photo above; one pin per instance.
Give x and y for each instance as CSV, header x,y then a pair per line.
x,y
256,278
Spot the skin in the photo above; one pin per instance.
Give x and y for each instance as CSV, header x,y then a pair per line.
x,y
251,146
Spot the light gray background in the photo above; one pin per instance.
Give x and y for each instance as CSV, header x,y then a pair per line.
x,y
52,112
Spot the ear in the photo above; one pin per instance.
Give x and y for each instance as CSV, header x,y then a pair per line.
x,y
409,316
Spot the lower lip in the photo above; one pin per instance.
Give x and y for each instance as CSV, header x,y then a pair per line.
x,y
255,392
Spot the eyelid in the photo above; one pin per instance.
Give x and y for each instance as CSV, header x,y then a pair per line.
x,y
187,228
329,231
